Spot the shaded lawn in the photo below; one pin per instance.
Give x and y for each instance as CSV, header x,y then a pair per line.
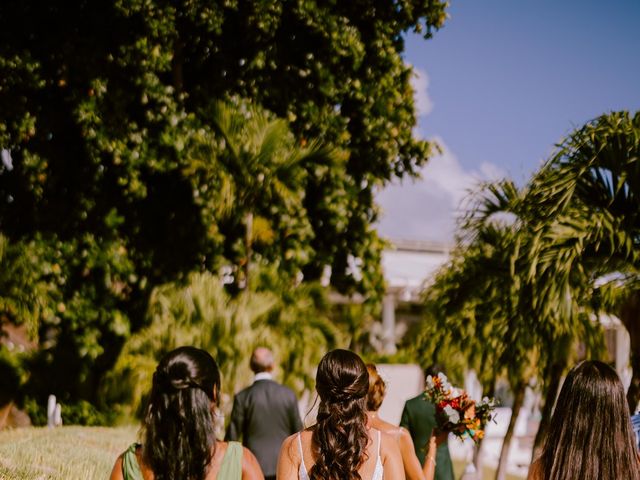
x,y
81,453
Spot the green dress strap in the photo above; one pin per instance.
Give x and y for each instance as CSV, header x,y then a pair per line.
x,y
231,466
130,468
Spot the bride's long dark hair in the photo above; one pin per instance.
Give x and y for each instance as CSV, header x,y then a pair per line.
x,y
590,437
178,429
340,435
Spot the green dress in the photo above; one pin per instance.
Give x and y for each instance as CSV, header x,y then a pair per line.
x,y
230,468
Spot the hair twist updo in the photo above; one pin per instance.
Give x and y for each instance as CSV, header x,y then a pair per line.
x,y
340,435
178,428
377,389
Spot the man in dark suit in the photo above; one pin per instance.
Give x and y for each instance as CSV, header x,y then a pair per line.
x,y
264,414
419,418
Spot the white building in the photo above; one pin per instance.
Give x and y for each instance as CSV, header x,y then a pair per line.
x,y
407,266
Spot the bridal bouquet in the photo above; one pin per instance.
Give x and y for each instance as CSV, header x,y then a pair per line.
x,y
455,412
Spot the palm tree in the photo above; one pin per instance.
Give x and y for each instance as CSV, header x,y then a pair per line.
x,y
588,202
201,313
489,304
268,168
476,299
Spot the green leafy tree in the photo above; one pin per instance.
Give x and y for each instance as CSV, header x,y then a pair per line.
x,y
489,306
203,314
476,301
571,254
269,173
107,110
25,296
587,198
104,105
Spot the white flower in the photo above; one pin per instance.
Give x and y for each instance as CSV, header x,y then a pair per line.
x,y
456,392
444,381
452,414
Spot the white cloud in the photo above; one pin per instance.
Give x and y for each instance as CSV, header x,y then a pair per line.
x,y
420,84
427,208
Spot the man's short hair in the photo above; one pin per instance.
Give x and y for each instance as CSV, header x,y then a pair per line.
x,y
261,360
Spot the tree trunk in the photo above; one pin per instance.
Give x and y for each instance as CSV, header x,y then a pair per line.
x,y
248,251
549,401
518,399
554,376
630,316
176,66
477,458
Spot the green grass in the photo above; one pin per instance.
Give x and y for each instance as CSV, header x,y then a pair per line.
x,y
81,453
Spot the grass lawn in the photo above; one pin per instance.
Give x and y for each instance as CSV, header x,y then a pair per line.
x,y
81,453
73,453
487,473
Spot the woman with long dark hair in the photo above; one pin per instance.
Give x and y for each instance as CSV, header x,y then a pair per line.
x,y
341,445
590,436
178,431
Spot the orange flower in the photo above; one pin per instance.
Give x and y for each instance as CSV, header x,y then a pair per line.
x,y
470,411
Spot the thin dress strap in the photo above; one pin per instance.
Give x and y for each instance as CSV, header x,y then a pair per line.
x,y
378,473
130,467
302,471
231,466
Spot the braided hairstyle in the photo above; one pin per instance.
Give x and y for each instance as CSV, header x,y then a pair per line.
x,y
178,428
377,389
340,436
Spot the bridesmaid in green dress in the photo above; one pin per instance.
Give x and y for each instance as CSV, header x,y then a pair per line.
x,y
178,432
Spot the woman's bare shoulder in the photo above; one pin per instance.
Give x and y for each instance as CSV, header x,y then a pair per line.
x,y
250,467
389,442
386,427
116,473
290,448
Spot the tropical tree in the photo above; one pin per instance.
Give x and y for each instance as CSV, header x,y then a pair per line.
x,y
488,304
112,164
475,299
100,119
203,314
587,199
24,295
269,170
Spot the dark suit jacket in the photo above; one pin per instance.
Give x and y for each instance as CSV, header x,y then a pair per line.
x,y
419,418
263,415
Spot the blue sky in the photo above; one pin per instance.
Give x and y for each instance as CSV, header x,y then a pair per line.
x,y
499,85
